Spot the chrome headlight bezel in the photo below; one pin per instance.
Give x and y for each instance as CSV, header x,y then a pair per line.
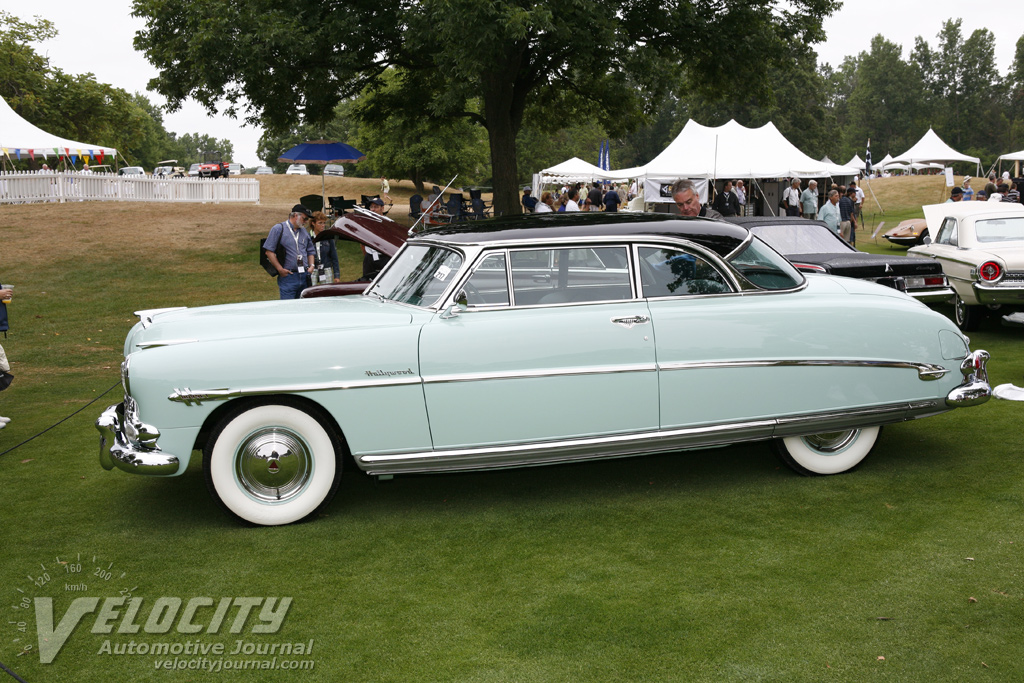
x,y
125,381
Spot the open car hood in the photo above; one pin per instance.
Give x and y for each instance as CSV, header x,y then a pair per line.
x,y
908,228
379,233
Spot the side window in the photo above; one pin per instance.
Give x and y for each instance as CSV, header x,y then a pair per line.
x,y
947,233
488,285
673,272
570,275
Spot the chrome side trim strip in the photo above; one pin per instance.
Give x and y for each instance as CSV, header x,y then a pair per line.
x,y
164,342
925,371
623,445
587,445
189,396
531,374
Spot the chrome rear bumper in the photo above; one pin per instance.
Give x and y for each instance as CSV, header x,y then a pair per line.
x,y
975,389
933,296
116,449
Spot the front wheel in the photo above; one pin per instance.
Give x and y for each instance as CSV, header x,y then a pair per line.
x,y
273,463
828,452
967,317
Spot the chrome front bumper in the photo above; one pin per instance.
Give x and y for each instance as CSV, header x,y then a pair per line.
x,y
975,389
117,449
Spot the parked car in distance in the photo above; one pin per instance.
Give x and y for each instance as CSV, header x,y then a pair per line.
x,y
169,172
532,340
813,248
131,171
193,170
908,233
297,169
234,169
334,169
980,246
264,170
213,167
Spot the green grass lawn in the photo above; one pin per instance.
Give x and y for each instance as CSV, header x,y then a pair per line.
x,y
712,565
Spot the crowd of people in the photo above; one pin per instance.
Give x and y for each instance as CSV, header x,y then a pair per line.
x,y
578,197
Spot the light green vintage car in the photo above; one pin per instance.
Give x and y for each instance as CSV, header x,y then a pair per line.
x,y
531,340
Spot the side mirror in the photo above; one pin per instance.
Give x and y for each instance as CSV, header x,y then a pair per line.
x,y
927,239
460,305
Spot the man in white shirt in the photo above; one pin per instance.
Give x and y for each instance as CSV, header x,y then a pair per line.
x,y
571,204
740,192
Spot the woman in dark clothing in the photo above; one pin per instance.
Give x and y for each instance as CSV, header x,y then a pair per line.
x,y
326,252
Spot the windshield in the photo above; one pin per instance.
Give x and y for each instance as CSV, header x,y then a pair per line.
x,y
1000,229
765,268
418,275
806,238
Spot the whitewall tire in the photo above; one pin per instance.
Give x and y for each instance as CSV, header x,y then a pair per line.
x,y
829,452
273,463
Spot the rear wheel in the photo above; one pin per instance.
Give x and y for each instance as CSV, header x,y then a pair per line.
x,y
967,317
272,464
828,452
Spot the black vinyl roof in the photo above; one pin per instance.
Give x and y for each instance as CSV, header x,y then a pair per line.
x,y
754,221
718,236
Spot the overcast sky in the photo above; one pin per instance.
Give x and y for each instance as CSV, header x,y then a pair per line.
x,y
96,36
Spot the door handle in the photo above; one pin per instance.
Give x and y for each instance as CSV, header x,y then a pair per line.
x,y
631,321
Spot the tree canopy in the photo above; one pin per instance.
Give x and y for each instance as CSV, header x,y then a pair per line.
x,y
280,62
77,106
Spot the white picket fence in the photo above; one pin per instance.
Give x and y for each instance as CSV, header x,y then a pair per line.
x,y
26,187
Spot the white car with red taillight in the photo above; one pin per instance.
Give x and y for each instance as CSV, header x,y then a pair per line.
x,y
981,248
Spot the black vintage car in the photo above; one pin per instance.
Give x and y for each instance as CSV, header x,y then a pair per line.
x,y
813,248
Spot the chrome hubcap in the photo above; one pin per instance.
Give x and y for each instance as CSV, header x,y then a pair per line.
x,y
830,443
273,464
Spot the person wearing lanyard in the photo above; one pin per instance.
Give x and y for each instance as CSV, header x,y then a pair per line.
x,y
299,254
326,252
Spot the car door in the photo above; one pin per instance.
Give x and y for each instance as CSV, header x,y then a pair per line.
x,y
945,249
565,352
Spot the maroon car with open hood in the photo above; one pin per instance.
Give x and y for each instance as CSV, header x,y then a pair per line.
x,y
380,237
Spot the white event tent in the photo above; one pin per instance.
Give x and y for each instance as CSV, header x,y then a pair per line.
x,y
19,139
931,148
1013,156
573,170
728,151
881,165
735,151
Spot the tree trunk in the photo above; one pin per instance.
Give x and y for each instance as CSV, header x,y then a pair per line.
x,y
504,169
503,111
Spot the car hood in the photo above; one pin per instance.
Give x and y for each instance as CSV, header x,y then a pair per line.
x,y
860,265
368,229
908,228
164,327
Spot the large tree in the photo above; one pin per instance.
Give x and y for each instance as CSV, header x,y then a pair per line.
x,y
884,104
284,61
